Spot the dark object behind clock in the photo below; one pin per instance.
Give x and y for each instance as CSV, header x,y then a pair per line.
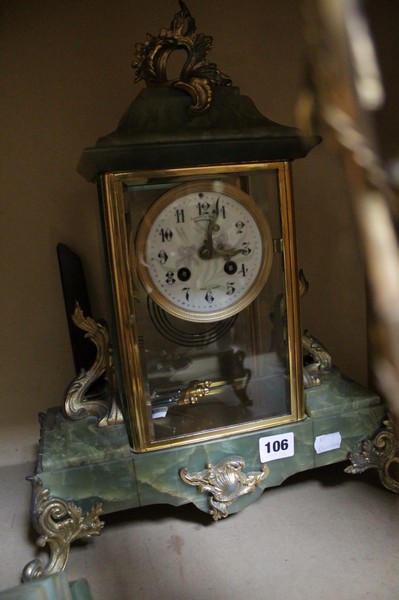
x,y
75,290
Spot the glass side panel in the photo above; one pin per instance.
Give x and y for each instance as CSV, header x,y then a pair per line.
x,y
202,376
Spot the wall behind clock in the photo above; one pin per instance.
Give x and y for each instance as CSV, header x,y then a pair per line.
x,y
66,80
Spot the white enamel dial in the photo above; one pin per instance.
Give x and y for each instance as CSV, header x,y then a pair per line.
x,y
204,251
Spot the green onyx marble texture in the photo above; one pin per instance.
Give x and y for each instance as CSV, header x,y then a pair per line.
x,y
84,464
338,395
53,587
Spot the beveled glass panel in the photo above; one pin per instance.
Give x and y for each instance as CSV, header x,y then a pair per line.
x,y
186,380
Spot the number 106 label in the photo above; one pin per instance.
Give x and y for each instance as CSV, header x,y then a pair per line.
x,y
276,446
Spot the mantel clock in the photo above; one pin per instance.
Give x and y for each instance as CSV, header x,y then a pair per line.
x,y
204,375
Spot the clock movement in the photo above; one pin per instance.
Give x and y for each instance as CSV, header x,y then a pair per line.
x,y
204,389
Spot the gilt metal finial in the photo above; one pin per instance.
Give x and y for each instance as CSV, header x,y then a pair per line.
x,y
197,76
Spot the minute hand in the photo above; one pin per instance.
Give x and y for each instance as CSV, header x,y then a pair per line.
x,y
227,253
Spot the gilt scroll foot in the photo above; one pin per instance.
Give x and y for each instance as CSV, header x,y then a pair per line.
x,y
59,523
382,453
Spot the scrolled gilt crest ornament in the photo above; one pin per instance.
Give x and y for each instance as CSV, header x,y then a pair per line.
x,y
225,482
382,453
78,404
59,523
197,76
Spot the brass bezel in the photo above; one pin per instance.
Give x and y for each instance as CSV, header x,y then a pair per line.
x,y
160,205
124,287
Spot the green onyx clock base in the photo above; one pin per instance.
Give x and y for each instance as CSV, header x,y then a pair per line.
x,y
53,587
84,470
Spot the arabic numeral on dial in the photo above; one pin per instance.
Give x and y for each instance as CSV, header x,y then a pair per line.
x,y
187,294
246,250
166,234
243,271
163,257
170,280
203,208
209,297
230,289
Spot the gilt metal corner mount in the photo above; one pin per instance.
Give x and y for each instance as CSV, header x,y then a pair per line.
x,y
381,452
59,523
225,482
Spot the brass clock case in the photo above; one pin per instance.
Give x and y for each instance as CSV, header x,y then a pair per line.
x,y
189,380
204,251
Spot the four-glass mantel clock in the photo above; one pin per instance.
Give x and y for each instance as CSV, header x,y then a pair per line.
x,y
196,195
205,399
199,397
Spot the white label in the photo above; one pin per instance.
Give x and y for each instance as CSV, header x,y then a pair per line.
x,y
276,446
327,442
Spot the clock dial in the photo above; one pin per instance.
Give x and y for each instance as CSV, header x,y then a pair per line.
x,y
204,251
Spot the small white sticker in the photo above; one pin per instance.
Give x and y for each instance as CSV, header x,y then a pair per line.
x,y
274,447
327,442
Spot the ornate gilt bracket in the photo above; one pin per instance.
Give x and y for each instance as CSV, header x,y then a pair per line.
x,y
78,404
197,76
59,523
382,453
225,482
321,360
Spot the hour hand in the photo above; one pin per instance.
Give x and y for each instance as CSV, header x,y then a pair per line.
x,y
227,253
207,249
